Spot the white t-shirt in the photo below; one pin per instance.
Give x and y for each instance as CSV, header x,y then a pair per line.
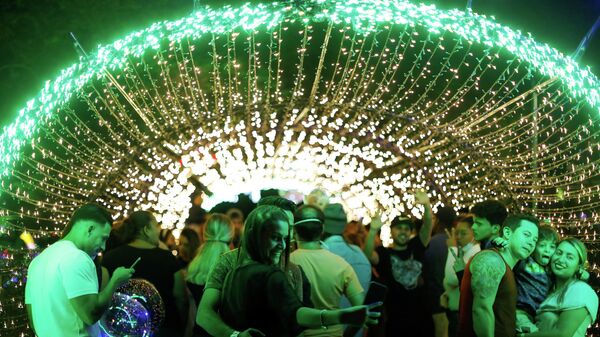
x,y
61,272
578,295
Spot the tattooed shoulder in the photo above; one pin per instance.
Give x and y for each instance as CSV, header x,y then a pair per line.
x,y
487,270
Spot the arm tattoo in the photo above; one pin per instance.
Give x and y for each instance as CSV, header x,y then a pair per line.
x,y
487,270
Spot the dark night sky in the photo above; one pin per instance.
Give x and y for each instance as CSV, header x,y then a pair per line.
x,y
35,44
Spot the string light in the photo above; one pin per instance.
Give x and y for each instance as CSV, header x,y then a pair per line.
x,y
369,100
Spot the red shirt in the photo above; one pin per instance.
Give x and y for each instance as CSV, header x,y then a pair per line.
x,y
505,304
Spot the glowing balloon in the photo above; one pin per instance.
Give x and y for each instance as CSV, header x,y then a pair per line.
x,y
146,293
137,310
125,317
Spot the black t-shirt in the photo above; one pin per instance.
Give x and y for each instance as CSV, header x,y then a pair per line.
x,y
434,269
157,266
259,296
392,268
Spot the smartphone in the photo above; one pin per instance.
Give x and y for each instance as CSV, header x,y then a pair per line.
x,y
136,262
376,293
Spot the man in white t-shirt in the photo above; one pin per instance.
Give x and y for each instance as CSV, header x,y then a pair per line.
x,y
61,294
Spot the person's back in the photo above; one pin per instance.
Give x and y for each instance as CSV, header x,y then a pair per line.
x,y
59,273
434,261
140,231
157,266
354,256
356,259
433,268
330,277
334,224
217,233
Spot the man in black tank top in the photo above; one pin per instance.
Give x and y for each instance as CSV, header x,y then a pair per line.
x,y
488,290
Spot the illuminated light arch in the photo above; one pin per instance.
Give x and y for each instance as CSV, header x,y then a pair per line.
x,y
369,99
404,96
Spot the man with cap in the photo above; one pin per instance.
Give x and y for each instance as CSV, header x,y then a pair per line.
x,y
333,228
400,268
330,276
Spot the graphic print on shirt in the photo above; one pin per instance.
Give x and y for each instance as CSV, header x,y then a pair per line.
x,y
406,272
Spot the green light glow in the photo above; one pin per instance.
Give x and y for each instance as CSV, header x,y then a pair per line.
x,y
363,16
368,100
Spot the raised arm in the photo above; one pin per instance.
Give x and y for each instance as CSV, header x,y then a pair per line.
x,y
369,248
487,270
422,198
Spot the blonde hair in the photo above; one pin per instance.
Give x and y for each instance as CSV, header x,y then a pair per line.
x,y
218,232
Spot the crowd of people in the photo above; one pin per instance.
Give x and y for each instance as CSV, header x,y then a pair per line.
x,y
290,270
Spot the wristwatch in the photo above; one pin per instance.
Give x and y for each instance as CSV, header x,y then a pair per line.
x,y
234,334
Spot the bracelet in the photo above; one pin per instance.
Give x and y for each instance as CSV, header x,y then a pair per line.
x,y
323,326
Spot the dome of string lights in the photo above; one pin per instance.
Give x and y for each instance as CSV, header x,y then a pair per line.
x,y
369,100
